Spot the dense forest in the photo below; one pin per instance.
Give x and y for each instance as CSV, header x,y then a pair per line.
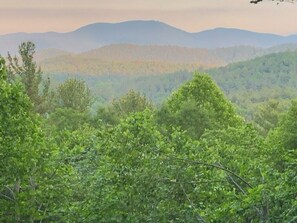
x,y
249,85
193,158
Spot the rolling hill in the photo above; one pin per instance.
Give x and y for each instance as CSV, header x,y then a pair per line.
x,y
127,59
253,82
50,53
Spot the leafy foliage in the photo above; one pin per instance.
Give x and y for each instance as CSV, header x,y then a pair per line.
x,y
74,94
199,105
267,116
28,183
132,102
192,160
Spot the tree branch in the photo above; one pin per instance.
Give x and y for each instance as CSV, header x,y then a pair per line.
x,y
212,165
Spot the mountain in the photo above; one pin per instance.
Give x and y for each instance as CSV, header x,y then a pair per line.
x,y
226,37
135,32
49,53
141,33
176,54
128,59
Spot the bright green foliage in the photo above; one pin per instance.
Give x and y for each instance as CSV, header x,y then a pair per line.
x,y
194,160
31,180
31,77
77,160
135,173
234,199
136,179
199,105
74,94
18,132
282,153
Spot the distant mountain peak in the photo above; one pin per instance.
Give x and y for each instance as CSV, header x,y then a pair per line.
x,y
141,32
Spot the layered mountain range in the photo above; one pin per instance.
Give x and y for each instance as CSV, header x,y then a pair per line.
x,y
97,35
143,48
156,58
127,59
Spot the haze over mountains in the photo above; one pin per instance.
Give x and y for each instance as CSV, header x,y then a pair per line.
x,y
140,60
128,59
97,35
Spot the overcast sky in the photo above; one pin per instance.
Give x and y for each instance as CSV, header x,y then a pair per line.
x,y
189,15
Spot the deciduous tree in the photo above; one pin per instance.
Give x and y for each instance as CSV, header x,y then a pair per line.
x,y
198,105
74,94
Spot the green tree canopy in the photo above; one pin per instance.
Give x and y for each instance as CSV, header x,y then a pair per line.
x,y
32,179
268,116
21,145
74,94
132,102
198,105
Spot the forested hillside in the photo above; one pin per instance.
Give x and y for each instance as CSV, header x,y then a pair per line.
x,y
124,59
251,83
108,87
193,159
127,59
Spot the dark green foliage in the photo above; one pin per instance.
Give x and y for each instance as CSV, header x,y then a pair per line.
x,y
267,116
132,102
67,119
288,128
248,84
106,88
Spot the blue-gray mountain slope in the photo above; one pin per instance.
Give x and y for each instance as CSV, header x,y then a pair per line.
x,y
142,33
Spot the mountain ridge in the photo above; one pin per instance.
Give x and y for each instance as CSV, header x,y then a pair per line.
x,y
141,32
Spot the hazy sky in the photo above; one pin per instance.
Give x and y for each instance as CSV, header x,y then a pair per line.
x,y
189,15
